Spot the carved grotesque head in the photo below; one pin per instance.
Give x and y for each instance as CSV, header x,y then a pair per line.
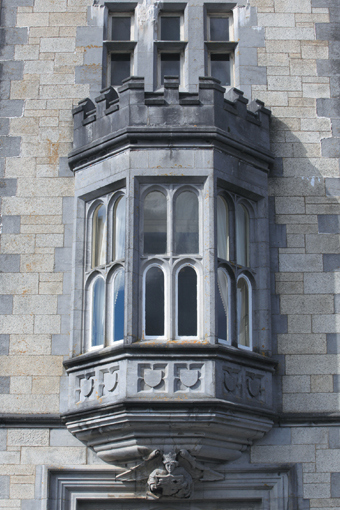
x,y
170,462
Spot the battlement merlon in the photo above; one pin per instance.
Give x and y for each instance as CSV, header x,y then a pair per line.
x,y
130,116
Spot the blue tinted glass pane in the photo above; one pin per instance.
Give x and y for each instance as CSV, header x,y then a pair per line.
x,y
170,28
155,223
186,223
154,302
170,65
121,28
187,302
220,67
98,313
118,306
219,29
120,67
119,229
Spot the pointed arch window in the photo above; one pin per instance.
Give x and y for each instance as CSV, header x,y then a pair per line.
x,y
155,223
186,229
104,278
222,229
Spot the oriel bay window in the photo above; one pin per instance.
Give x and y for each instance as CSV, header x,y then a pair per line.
x,y
104,278
171,262
234,274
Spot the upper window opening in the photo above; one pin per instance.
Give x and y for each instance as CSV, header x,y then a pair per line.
x,y
170,28
99,236
242,236
222,229
121,28
186,223
220,67
219,28
170,65
120,67
155,223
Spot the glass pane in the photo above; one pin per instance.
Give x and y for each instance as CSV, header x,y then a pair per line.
x,y
222,229
170,28
187,302
242,236
222,304
120,67
98,312
118,306
154,302
99,236
186,223
219,29
155,223
243,312
121,26
119,229
170,65
220,67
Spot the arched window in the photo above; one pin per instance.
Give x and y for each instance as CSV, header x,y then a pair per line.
x,y
222,305
154,302
186,223
222,229
119,229
155,223
244,312
97,312
187,302
99,236
118,305
242,236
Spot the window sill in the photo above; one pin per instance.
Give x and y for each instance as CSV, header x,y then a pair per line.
x,y
120,45
171,45
220,46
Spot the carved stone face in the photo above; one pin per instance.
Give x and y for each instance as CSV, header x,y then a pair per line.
x,y
170,466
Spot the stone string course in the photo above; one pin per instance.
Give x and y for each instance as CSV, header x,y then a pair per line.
x,y
45,72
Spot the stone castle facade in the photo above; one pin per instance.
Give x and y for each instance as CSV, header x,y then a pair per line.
x,y
169,333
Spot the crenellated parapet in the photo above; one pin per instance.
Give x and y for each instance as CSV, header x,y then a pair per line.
x,y
133,117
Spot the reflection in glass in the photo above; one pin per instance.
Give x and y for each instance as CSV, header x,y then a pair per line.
x,y
170,28
243,312
219,29
99,236
98,312
220,67
186,223
118,305
121,26
119,229
155,223
170,65
242,236
222,229
222,304
187,302
154,302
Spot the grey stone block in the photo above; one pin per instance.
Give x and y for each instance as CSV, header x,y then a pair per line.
x,y
8,15
332,185
64,169
68,210
328,107
330,148
249,75
335,485
63,259
274,259
2,167
329,223
4,127
11,108
68,236
327,31
9,263
4,384
276,436
60,345
4,487
11,224
337,303
334,86
62,437
29,504
334,437
334,49
64,304
331,262
93,56
278,236
8,187
6,304
12,70
3,440
15,35
4,345
336,127
250,38
336,383
328,67
10,147
63,401
87,36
